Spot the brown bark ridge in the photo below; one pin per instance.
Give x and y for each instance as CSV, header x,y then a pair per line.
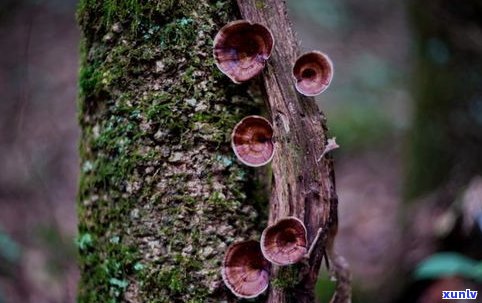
x,y
301,185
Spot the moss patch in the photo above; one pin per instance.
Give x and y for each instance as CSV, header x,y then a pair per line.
x,y
287,278
161,195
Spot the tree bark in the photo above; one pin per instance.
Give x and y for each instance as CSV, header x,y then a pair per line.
x,y
302,186
161,194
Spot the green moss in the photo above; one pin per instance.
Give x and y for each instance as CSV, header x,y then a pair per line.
x,y
111,10
217,202
158,175
105,276
288,277
122,9
179,33
90,80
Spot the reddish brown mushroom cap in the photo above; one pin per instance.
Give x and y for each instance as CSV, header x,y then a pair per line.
x,y
252,142
313,72
241,49
285,242
245,271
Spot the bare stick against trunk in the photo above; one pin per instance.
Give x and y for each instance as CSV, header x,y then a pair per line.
x,y
302,186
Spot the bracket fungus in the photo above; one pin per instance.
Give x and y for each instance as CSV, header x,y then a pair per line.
x,y
252,141
313,72
245,271
241,49
285,242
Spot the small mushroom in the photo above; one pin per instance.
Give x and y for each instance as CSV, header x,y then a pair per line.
x,y
313,72
241,49
285,242
245,271
252,142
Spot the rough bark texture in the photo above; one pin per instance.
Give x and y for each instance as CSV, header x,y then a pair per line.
x,y
301,186
161,194
446,141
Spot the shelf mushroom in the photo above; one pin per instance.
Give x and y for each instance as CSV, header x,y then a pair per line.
x,y
245,271
241,49
252,141
313,72
285,242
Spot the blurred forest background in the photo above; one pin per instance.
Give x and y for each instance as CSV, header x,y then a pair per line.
x,y
405,105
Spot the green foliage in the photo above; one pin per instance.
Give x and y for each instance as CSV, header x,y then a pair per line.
x,y
447,264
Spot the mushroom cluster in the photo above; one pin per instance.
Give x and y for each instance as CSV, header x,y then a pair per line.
x,y
241,51
247,264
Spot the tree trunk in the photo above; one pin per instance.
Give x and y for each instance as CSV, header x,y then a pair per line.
x,y
302,186
161,194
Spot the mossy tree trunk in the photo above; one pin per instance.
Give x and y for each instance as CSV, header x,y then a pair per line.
x,y
446,142
161,194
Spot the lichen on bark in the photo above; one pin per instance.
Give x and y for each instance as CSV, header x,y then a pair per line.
x,y
161,194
